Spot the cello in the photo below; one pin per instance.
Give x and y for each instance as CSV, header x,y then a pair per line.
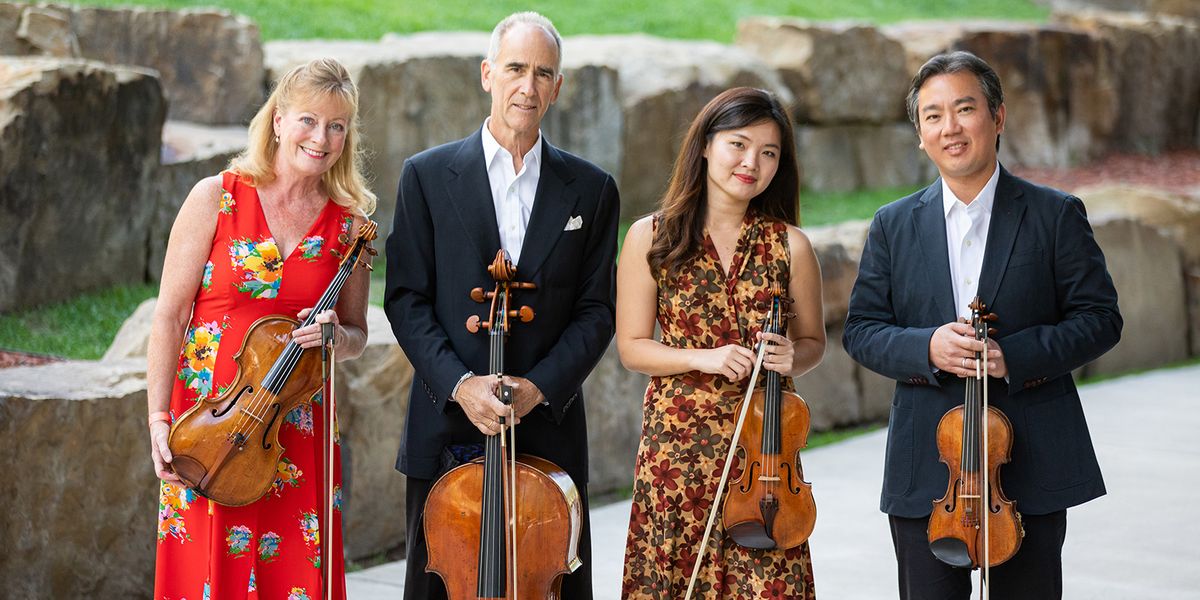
x,y
974,525
771,506
227,448
518,516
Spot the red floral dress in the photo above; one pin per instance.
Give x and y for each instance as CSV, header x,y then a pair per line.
x,y
687,423
270,548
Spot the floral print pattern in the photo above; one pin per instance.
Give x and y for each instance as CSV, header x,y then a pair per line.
x,y
237,538
310,247
206,279
298,593
227,203
268,547
301,418
172,500
688,420
286,474
261,264
199,357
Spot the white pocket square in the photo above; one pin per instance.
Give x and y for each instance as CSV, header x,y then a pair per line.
x,y
574,223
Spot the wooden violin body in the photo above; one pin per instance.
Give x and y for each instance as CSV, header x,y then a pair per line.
x,y
955,526
227,448
548,526
974,525
770,505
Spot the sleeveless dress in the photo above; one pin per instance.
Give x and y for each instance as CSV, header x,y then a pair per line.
x,y
270,548
688,420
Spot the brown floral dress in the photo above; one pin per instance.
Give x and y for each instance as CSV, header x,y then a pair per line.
x,y
687,423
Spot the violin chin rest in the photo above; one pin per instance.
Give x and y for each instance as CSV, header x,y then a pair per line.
x,y
190,471
751,534
951,551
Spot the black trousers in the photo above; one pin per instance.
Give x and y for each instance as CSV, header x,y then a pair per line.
x,y
419,585
1033,573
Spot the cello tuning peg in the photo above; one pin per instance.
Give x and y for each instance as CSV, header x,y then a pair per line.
x,y
991,317
474,324
991,331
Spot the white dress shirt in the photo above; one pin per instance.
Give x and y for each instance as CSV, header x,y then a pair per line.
x,y
512,192
966,235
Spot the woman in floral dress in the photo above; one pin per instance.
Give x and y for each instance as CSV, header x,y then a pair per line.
x,y
260,239
702,267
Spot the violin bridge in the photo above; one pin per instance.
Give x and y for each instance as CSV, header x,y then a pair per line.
x,y
251,415
767,478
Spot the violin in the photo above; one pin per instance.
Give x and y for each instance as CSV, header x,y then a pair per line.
x,y
770,505
774,507
974,525
505,526
227,448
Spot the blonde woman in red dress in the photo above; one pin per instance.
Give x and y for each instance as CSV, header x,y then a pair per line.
x,y
256,240
702,268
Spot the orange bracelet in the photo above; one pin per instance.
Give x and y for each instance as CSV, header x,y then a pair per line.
x,y
161,415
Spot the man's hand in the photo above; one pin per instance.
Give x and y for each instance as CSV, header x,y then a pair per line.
x,y
526,395
477,397
952,349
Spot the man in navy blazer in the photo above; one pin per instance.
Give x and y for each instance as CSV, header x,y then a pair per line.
x,y
1029,254
555,214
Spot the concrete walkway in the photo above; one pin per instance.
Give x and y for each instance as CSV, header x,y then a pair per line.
x,y
1139,542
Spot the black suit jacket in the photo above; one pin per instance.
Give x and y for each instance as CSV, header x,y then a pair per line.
x,y
444,237
1045,278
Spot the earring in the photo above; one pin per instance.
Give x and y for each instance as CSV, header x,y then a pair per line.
x,y
276,139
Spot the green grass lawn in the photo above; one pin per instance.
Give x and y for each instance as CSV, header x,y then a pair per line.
x,y
713,19
82,327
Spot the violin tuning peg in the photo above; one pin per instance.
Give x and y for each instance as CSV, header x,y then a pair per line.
x,y
525,314
343,239
478,295
366,265
371,250
335,253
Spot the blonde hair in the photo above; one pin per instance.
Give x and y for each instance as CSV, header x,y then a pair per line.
x,y
317,79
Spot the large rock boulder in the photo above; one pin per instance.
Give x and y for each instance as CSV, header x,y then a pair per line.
x,y
839,72
210,62
1183,8
613,398
1176,214
133,338
1157,81
101,127
190,152
1059,84
79,493
1142,258
842,158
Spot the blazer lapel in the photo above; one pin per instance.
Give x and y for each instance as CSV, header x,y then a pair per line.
x,y
552,206
1007,210
468,190
929,219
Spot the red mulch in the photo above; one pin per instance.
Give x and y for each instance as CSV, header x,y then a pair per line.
x,y
9,358
1177,171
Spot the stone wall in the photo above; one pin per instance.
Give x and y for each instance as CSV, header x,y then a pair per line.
x,y
210,62
79,144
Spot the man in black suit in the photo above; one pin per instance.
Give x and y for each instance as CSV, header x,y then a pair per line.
x,y
1029,254
555,214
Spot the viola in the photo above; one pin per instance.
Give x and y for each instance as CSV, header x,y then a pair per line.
x,y
974,525
770,505
505,526
227,448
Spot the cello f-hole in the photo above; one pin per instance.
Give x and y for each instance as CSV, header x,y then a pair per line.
x,y
246,390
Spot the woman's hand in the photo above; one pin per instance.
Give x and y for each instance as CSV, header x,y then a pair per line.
x,y
781,353
731,361
160,453
310,335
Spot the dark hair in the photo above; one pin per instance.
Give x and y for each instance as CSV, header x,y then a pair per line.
x,y
680,232
955,62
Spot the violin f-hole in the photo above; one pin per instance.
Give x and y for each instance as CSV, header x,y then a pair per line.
x,y
246,390
267,430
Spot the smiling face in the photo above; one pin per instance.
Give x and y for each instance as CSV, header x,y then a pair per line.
x,y
957,131
312,135
523,81
742,162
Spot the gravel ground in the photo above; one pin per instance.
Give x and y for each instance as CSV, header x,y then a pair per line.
x,y
1175,171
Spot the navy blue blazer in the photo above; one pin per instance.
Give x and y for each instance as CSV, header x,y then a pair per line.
x,y
443,238
1045,278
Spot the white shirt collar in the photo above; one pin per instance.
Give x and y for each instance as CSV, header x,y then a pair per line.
x,y
491,148
983,200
